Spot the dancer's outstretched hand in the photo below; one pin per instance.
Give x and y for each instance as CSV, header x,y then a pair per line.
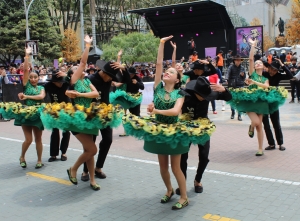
x,y
88,39
163,40
120,53
117,65
173,44
217,87
28,50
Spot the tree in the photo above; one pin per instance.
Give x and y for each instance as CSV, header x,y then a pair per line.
x,y
137,47
293,25
12,31
67,13
70,46
255,22
237,20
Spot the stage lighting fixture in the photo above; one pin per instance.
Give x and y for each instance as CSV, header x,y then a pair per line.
x,y
191,9
211,33
173,11
157,13
197,34
181,35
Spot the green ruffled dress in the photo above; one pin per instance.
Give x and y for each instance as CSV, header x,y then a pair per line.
x,y
256,99
85,116
167,135
184,78
125,99
31,106
82,86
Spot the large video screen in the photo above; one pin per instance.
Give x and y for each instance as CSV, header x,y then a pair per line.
x,y
243,34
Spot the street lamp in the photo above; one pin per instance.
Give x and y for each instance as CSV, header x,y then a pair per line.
x,y
26,15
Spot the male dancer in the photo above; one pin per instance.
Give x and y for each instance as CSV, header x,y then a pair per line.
x,y
200,68
56,89
102,81
275,77
196,105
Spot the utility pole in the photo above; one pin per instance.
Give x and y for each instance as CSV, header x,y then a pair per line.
x,y
27,25
81,25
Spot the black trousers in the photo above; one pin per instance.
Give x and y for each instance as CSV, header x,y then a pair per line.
x,y
104,147
221,69
54,142
295,85
277,128
203,161
136,110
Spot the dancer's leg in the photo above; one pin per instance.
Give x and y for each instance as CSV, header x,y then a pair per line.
x,y
38,143
175,164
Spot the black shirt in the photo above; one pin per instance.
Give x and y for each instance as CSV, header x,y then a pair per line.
x,y
275,79
131,87
209,70
196,108
57,94
101,86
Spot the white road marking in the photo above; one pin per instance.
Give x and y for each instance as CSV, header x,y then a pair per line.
x,y
288,182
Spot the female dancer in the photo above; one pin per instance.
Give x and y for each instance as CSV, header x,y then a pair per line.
x,y
83,94
33,95
178,66
260,107
167,106
258,99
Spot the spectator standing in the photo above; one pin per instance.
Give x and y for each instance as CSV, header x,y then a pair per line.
x,y
14,79
236,77
220,60
295,84
283,56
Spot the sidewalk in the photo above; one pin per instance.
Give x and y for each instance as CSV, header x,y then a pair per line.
x,y
237,185
132,191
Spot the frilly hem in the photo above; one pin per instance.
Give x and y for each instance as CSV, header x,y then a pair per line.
x,y
185,131
20,112
126,100
63,115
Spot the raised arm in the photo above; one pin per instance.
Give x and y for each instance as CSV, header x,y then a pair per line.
x,y
28,50
83,61
174,54
251,56
119,56
159,62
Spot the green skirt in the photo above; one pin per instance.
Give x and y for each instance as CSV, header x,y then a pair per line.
x,y
259,107
73,128
33,123
165,149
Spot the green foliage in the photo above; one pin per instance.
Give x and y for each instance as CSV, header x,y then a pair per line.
x,y
13,33
136,47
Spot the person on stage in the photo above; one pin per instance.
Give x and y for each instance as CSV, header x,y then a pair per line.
x,y
33,95
275,76
258,99
191,46
56,89
201,92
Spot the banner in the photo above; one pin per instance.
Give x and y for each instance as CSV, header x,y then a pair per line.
x,y
243,34
212,52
